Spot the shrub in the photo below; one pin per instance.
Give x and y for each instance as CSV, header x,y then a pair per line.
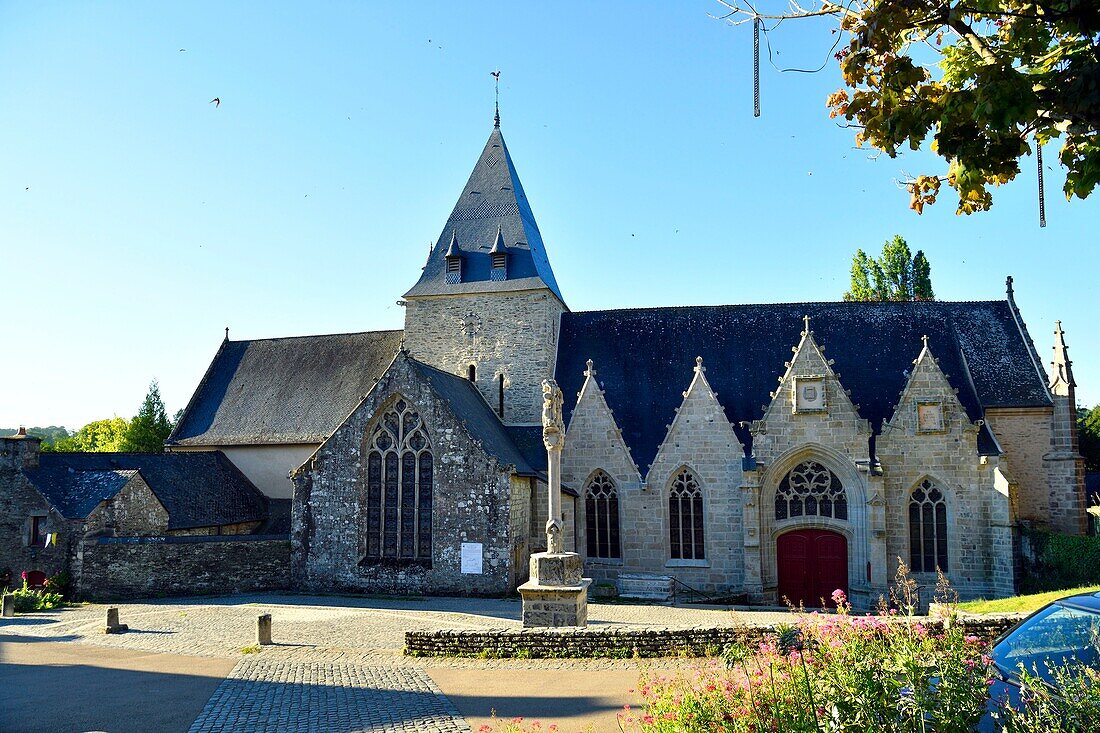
x,y
1060,561
28,600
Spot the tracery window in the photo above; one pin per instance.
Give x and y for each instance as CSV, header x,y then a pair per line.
x,y
601,512
927,529
399,487
685,517
810,490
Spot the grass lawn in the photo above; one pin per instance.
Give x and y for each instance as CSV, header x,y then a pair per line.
x,y
1022,603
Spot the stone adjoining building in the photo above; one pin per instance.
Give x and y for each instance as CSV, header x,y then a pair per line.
x,y
53,505
757,450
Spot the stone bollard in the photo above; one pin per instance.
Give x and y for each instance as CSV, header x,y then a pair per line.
x,y
8,606
263,629
113,626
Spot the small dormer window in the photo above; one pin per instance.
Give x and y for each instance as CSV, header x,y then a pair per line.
x,y
453,275
498,257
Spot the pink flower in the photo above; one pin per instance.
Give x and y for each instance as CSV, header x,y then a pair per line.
x,y
485,729
518,719
971,639
648,719
669,716
839,597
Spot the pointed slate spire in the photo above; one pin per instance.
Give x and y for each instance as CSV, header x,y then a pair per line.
x,y
1061,372
492,203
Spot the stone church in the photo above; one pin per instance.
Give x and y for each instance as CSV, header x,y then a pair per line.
x,y
763,451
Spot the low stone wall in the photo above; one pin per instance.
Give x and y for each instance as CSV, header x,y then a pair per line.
x,y
592,642
134,567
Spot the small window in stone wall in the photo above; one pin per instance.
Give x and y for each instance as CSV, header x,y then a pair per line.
x,y
398,521
601,517
927,529
37,535
685,517
810,490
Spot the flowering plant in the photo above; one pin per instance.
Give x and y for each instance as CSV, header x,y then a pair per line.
x,y
828,673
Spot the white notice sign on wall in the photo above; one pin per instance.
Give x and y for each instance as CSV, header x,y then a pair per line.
x,y
471,558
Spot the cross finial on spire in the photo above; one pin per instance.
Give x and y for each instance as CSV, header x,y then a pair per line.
x,y
227,333
806,322
1008,286
496,105
924,340
590,371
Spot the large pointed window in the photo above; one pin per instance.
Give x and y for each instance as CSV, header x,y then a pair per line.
x,y
927,529
685,517
399,488
601,517
810,490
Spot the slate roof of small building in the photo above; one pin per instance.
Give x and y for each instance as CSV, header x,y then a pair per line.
x,y
470,407
76,492
283,390
199,489
493,197
644,358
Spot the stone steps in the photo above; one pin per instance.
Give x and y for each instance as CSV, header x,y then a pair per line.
x,y
645,587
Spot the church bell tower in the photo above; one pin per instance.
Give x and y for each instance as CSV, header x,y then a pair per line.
x,y
487,306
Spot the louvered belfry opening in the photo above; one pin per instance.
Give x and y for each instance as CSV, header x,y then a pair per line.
x,y
399,488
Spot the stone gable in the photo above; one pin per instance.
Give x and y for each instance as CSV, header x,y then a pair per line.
x,y
471,503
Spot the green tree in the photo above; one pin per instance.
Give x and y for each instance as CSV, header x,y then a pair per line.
x,y
978,82
98,436
150,426
895,275
1088,437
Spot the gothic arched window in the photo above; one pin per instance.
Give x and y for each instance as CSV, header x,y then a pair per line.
x,y
810,490
927,529
399,487
601,517
685,517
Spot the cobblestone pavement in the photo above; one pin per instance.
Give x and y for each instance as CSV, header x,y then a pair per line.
x,y
281,695
328,628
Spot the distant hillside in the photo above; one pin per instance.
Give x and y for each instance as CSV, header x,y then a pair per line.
x,y
48,435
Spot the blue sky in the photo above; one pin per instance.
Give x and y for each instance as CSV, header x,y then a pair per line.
x,y
137,220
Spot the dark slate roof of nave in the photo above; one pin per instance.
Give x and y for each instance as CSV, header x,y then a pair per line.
x,y
492,197
644,358
199,489
283,390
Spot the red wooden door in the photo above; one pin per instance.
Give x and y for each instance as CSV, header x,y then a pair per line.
x,y
812,563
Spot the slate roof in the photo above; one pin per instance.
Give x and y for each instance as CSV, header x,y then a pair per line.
x,y
76,492
644,358
470,407
283,390
493,197
199,489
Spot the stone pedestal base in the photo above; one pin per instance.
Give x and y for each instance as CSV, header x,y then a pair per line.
x,y
556,594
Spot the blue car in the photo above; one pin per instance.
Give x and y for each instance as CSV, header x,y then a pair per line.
x,y
1065,631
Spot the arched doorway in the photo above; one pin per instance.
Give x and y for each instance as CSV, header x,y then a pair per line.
x,y
812,563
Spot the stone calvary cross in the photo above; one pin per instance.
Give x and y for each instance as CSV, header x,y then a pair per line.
x,y
556,594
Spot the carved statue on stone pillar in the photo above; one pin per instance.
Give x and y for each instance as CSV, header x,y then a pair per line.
x,y
553,437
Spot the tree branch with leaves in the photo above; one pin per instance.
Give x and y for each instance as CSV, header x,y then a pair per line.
x,y
980,82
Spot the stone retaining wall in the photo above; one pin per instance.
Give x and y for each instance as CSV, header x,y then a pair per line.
x,y
134,567
542,643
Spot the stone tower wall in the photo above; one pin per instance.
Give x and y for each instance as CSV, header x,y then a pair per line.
x,y
514,334
1024,435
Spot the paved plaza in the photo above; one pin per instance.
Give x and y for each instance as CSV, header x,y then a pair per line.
x,y
336,665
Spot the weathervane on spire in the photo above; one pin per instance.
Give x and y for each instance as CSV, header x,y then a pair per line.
x,y
496,85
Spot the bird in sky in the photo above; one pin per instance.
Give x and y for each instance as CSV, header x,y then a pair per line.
x,y
495,75
216,101
183,49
